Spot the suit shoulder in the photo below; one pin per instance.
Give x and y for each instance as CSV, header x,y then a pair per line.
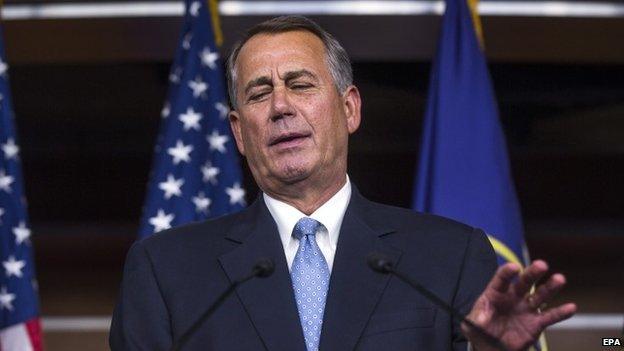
x,y
403,217
444,241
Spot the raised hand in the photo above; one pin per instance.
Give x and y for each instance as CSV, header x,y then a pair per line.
x,y
509,311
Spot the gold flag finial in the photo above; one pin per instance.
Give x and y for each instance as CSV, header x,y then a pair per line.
x,y
476,21
216,22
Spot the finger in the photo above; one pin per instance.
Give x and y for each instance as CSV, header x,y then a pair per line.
x,y
531,274
503,277
548,290
555,315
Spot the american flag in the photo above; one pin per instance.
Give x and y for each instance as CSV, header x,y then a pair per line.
x,y
195,174
19,304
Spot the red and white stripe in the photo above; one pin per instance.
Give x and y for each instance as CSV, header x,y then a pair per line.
x,y
22,337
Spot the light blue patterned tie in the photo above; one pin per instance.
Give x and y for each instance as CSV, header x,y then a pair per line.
x,y
310,278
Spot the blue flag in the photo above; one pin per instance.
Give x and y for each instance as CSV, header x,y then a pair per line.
x,y
19,303
463,171
196,173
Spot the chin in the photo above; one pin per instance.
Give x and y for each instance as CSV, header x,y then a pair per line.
x,y
294,172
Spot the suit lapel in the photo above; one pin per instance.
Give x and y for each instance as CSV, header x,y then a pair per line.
x,y
354,288
269,302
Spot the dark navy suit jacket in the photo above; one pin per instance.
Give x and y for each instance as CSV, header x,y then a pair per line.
x,y
171,278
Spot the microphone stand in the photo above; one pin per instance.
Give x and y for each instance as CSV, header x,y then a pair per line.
x,y
263,268
382,265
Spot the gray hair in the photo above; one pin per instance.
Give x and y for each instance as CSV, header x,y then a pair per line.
x,y
336,57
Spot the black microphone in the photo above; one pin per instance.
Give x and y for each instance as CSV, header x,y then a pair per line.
x,y
263,268
379,263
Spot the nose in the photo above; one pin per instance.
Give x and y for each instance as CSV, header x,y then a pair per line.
x,y
281,106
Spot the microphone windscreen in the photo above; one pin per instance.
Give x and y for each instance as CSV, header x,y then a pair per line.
x,y
379,263
264,267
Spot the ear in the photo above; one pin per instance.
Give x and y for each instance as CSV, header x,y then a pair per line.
x,y
235,121
352,107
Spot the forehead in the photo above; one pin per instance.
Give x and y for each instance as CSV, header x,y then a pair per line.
x,y
280,52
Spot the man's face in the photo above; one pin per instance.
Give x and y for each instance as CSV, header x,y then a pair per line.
x,y
291,122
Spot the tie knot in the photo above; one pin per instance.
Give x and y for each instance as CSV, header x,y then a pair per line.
x,y
305,226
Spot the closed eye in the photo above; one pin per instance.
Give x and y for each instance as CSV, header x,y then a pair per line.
x,y
301,86
257,96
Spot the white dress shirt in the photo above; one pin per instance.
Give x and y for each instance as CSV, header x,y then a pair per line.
x,y
330,215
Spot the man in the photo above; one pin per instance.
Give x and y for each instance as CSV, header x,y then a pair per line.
x,y
294,107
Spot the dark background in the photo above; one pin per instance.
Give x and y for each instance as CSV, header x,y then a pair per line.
x,y
87,134
88,94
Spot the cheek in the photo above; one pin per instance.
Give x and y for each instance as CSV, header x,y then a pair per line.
x,y
328,139
332,126
255,137
253,124
321,114
248,133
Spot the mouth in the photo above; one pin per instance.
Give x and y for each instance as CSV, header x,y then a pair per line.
x,y
288,139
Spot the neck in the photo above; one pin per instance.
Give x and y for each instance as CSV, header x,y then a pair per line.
x,y
306,198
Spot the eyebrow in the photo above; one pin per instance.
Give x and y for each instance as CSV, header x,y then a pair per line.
x,y
297,74
265,80
257,82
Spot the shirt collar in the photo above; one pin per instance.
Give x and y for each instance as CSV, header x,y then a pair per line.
x,y
330,214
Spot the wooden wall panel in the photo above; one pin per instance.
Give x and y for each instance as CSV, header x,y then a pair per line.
x,y
367,38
